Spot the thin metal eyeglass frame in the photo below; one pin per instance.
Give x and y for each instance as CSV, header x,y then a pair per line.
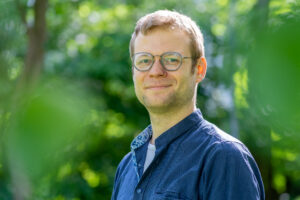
x,y
160,60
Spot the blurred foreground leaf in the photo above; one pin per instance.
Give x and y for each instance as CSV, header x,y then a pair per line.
x,y
43,131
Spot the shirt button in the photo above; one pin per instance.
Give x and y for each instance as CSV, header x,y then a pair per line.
x,y
139,191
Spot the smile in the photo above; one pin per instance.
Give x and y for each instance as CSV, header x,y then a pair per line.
x,y
157,87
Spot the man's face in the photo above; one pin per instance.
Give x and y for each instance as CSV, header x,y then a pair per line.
x,y
160,90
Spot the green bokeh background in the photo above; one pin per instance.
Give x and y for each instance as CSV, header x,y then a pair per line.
x,y
63,135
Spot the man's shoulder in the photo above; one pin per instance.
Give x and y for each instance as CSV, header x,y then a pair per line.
x,y
217,148
209,138
222,135
209,131
125,160
124,165
225,159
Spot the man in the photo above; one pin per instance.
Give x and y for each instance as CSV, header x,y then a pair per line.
x,y
180,155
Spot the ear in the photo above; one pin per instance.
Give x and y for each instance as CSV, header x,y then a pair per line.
x,y
201,69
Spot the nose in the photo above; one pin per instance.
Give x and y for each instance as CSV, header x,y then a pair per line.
x,y
157,69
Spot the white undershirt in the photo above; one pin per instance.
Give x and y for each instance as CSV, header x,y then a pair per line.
x,y
150,155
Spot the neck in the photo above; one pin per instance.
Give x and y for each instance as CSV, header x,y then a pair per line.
x,y
161,122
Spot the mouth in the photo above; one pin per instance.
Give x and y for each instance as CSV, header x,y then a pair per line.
x,y
156,87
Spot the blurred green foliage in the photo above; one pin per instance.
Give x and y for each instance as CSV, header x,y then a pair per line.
x,y
64,138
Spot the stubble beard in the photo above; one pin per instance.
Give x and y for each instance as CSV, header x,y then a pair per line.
x,y
168,104
159,105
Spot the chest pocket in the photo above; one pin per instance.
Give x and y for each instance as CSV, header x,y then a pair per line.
x,y
169,195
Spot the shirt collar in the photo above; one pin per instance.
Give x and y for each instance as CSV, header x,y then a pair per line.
x,y
179,129
139,141
142,138
170,134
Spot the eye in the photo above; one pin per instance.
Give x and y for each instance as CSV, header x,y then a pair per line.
x,y
171,60
144,61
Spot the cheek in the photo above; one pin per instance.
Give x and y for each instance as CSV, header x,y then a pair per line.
x,y
137,82
135,85
187,83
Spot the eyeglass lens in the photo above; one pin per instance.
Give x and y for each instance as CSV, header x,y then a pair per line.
x,y
169,60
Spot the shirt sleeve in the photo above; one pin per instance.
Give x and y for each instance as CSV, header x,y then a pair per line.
x,y
231,173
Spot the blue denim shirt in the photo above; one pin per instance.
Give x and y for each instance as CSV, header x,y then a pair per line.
x,y
193,160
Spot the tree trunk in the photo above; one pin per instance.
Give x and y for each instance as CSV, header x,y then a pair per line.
x,y
33,63
36,35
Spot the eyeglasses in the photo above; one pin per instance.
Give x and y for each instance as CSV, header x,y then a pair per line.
x,y
170,61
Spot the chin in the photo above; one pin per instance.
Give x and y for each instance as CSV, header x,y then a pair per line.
x,y
158,107
162,103
157,102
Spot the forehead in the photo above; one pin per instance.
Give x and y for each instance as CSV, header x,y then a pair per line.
x,y
159,41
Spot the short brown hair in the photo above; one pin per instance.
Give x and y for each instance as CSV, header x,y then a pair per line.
x,y
170,19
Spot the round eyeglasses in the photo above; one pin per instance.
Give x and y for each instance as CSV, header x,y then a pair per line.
x,y
170,61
